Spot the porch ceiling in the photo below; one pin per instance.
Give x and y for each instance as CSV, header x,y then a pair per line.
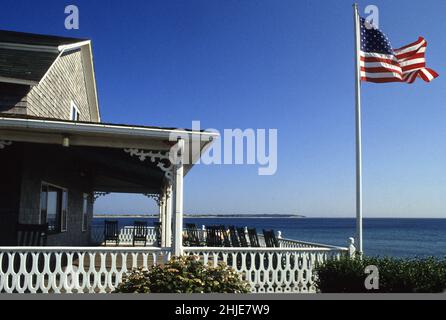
x,y
90,169
114,171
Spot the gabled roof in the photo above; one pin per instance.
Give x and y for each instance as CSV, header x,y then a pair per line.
x,y
36,39
25,67
26,58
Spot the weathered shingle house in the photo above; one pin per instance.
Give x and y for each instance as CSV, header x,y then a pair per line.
x,y
47,76
55,153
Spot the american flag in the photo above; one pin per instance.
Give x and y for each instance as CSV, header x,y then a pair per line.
x,y
381,63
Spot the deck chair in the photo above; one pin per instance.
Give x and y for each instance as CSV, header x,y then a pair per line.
x,y
223,234
193,235
234,237
157,226
272,242
29,235
213,237
235,243
253,238
270,239
140,232
242,237
111,232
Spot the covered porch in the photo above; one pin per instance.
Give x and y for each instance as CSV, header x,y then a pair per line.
x,y
93,159
87,160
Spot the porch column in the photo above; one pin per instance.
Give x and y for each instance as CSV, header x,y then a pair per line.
x,y
161,212
168,213
178,199
163,219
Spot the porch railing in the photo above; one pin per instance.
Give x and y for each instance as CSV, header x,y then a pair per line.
x,y
100,270
289,243
272,270
72,270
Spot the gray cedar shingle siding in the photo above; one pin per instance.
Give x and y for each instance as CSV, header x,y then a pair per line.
x,y
65,82
55,167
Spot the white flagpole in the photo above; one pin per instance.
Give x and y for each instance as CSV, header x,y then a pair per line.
x,y
358,131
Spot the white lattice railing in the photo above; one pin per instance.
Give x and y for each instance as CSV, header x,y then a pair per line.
x,y
272,270
72,270
125,236
288,243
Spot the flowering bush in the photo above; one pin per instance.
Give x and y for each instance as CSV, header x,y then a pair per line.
x,y
184,275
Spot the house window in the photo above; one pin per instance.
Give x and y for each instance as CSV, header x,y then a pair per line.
x,y
75,114
54,208
85,213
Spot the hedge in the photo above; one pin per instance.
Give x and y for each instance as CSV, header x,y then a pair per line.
x,y
395,275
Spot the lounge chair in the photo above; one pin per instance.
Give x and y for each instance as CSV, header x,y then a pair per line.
x,y
140,232
30,235
234,237
223,233
213,237
111,232
193,236
242,238
158,233
270,239
253,238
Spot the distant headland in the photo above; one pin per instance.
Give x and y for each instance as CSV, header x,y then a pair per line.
x,y
206,216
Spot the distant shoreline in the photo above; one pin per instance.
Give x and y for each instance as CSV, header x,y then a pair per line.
x,y
152,216
99,216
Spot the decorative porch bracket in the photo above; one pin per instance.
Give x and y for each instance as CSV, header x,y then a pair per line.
x,y
4,144
97,195
154,156
155,196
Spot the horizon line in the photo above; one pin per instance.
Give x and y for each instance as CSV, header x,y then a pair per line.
x,y
296,216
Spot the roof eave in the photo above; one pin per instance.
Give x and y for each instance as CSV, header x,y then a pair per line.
x,y
83,127
107,134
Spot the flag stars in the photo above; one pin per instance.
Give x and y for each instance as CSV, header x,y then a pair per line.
x,y
374,40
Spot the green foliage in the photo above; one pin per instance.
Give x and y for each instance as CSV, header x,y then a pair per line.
x,y
184,275
395,275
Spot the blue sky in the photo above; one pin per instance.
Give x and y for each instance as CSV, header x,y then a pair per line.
x,y
283,64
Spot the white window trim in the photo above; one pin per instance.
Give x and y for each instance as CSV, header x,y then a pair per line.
x,y
40,202
73,109
85,196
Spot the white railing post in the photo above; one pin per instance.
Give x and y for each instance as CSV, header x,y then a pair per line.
x,y
178,199
161,211
351,247
203,233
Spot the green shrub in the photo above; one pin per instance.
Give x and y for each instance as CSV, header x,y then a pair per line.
x,y
184,275
395,275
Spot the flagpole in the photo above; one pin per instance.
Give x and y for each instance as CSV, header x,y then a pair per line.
x,y
359,216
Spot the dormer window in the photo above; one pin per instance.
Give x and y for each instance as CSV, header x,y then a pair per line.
x,y
75,114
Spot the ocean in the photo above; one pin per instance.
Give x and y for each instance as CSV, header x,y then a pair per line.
x,y
382,237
